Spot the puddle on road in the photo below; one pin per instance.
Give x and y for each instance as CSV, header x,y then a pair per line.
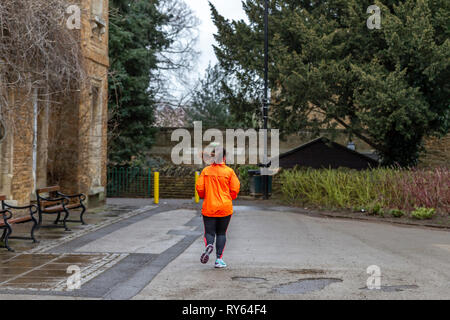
x,y
187,233
249,279
305,285
49,271
306,271
127,207
279,208
259,208
245,208
393,288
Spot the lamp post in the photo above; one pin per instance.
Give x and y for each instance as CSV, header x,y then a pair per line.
x,y
265,178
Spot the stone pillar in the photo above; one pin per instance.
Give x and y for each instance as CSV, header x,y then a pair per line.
x,y
6,165
42,145
22,157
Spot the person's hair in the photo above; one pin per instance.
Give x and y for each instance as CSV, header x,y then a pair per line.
x,y
222,150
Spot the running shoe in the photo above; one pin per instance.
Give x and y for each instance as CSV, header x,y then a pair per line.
x,y
205,255
220,264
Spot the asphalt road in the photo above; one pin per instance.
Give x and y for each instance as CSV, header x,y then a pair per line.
x,y
272,253
276,254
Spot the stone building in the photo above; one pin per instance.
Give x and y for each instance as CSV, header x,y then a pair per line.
x,y
63,142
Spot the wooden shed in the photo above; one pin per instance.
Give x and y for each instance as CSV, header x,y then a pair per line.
x,y
323,153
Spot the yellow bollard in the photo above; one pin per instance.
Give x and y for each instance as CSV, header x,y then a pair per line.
x,y
197,198
156,188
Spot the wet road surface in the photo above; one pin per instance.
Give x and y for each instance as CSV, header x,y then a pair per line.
x,y
135,250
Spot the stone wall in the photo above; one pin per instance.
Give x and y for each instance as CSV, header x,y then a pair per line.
x,y
63,144
22,153
80,141
183,188
437,152
176,187
71,133
162,147
95,106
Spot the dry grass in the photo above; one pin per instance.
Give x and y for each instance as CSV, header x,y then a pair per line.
x,y
379,190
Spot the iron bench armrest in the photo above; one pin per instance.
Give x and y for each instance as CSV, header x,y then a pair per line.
x,y
5,216
81,196
65,200
31,207
7,225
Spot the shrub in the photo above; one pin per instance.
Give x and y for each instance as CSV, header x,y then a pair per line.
x,y
340,188
423,188
376,209
372,190
423,213
397,213
244,178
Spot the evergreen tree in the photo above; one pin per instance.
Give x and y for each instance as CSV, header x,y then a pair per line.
x,y
208,103
387,86
135,40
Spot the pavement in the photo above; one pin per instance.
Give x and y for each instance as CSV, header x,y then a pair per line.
x,y
133,249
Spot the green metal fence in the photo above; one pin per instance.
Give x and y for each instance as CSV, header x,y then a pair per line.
x,y
130,182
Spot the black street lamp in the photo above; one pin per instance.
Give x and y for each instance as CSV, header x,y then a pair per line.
x,y
265,178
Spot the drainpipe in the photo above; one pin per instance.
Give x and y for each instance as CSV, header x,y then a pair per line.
x,y
35,137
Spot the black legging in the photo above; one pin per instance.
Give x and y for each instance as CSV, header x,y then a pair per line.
x,y
216,228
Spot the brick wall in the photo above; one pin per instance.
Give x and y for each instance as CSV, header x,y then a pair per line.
x,y
74,157
176,187
183,187
93,143
79,153
22,181
163,145
438,152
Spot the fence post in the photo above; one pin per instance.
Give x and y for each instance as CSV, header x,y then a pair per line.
x,y
114,181
121,180
197,198
108,179
137,177
127,179
149,186
156,188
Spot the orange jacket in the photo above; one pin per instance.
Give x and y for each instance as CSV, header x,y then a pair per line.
x,y
218,185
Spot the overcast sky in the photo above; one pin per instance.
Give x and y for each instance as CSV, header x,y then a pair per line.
x,y
230,9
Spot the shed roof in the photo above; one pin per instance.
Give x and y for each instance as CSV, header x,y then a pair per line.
x,y
337,146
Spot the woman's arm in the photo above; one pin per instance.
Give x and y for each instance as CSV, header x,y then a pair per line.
x,y
235,185
200,186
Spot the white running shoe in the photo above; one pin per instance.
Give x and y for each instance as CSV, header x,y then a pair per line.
x,y
220,264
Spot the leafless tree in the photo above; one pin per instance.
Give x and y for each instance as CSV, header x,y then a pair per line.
x,y
41,64
37,52
176,62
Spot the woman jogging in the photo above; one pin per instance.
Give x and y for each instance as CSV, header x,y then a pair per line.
x,y
218,185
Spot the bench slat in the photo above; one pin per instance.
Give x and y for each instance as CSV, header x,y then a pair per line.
x,y
15,220
2,198
59,208
45,204
53,209
48,189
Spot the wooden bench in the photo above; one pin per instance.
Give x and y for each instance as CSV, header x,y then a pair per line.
x,y
57,203
8,219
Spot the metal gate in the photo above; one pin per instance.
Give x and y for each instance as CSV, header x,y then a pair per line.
x,y
132,182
